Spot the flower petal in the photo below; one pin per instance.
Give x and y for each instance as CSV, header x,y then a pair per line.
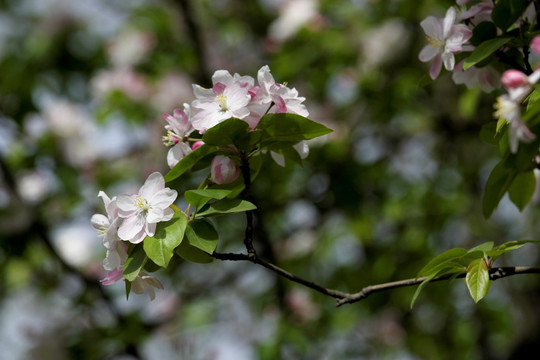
x,y
152,185
99,221
131,227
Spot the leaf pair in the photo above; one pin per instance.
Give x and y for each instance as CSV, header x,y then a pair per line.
x,y
475,263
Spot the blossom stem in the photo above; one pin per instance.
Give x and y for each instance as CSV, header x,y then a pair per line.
x,y
246,194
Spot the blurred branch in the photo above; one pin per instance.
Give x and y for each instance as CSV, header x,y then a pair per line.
x,y
196,40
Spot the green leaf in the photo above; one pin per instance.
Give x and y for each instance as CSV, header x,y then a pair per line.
x,y
482,247
506,12
484,50
507,247
187,162
134,262
128,288
199,198
420,287
522,189
160,247
290,128
498,183
477,279
193,254
489,133
226,206
228,132
441,261
201,234
482,32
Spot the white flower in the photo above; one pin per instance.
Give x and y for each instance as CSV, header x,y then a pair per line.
x,y
487,78
141,212
224,170
108,225
228,98
445,38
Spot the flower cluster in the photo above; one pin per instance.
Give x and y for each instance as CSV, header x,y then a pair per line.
x,y
449,36
131,218
231,96
508,106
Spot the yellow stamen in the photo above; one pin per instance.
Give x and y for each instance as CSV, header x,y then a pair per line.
x,y
222,100
141,203
434,42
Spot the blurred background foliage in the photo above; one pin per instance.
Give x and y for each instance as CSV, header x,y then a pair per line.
x,y
399,180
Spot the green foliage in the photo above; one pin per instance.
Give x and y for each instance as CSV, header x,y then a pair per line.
x,y
134,263
477,279
507,12
484,50
160,247
191,159
202,235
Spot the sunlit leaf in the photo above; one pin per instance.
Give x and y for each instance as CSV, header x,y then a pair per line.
x,y
477,279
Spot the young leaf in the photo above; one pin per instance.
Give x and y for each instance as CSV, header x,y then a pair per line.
x,y
228,132
484,50
498,183
187,162
226,206
441,261
290,128
134,262
201,234
482,247
477,279
507,247
522,189
160,247
199,198
420,287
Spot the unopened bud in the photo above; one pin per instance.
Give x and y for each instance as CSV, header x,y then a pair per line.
x,y
224,170
535,45
512,79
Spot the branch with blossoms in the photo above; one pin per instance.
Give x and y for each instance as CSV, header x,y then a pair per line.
x,y
236,125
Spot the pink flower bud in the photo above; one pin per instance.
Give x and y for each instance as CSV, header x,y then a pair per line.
x,y
535,45
197,144
512,79
224,170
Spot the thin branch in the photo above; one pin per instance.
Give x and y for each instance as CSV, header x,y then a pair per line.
x,y
347,298
284,273
495,274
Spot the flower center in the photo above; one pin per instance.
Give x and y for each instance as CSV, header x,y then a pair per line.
x,y
434,42
222,101
505,108
170,139
141,203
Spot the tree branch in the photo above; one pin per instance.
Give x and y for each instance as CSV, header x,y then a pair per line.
x,y
347,298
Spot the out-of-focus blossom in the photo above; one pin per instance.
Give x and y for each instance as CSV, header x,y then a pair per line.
x,y
302,148
384,43
535,45
485,77
34,186
445,39
130,47
508,107
478,12
294,14
141,212
144,282
223,170
197,144
177,153
170,90
512,79
125,80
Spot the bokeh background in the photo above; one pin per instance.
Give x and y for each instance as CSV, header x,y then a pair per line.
x,y
82,87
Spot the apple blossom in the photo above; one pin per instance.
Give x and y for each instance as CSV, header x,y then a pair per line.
x,y
108,225
141,212
144,282
487,78
514,79
178,129
223,170
445,38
